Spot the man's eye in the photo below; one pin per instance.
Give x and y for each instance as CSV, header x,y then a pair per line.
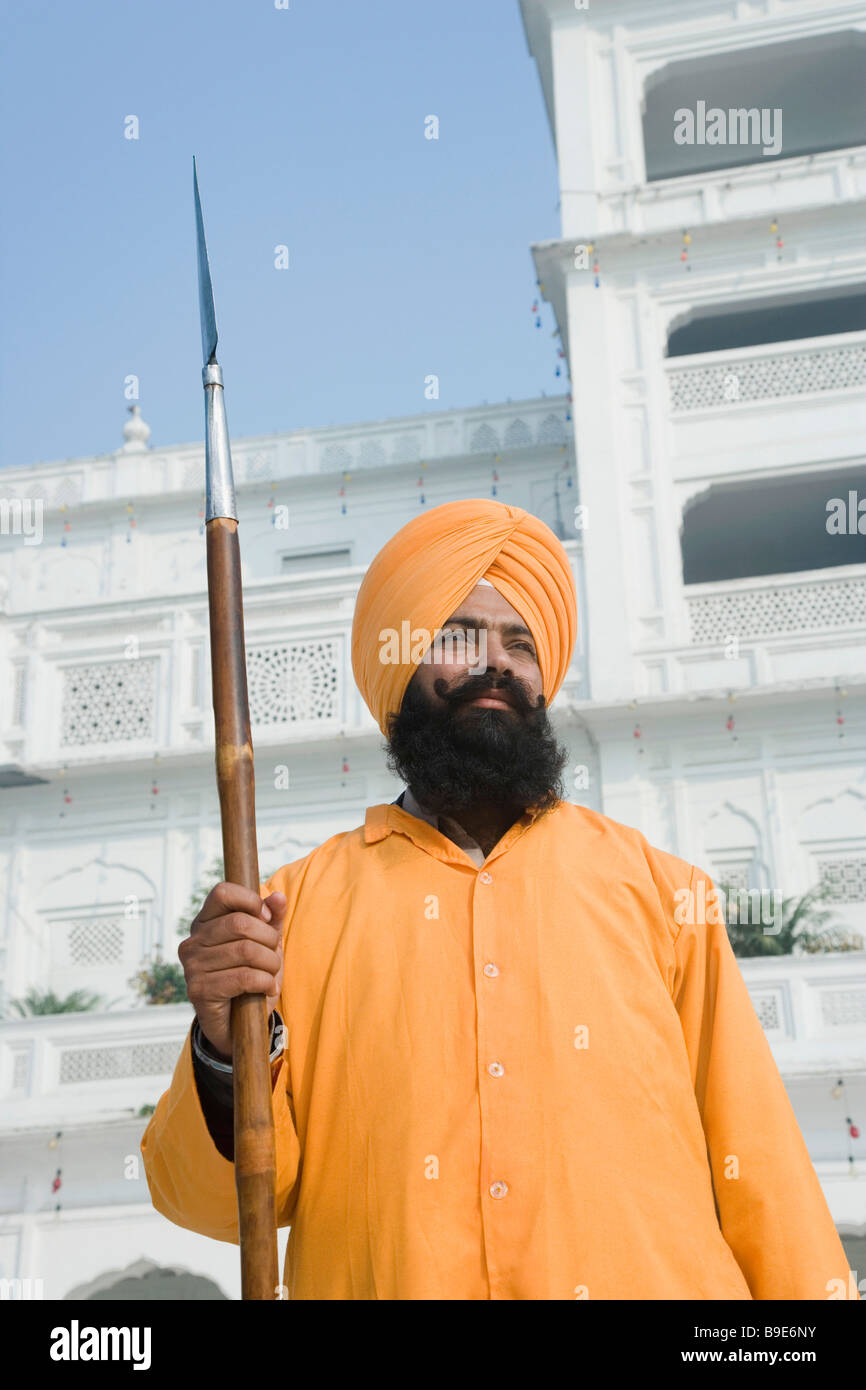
x,y
527,647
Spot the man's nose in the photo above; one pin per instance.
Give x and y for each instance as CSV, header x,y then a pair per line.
x,y
498,660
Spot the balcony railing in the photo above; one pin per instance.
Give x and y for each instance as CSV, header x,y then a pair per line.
x,y
73,1067
765,608
96,705
353,448
714,380
76,702
812,1009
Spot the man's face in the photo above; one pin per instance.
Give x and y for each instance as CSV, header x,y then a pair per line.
x,y
473,732
511,679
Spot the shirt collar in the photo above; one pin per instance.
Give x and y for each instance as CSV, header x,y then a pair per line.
x,y
446,825
387,817
414,807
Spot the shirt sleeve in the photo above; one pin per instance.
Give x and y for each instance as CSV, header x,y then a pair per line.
x,y
216,1097
215,1085
190,1181
772,1210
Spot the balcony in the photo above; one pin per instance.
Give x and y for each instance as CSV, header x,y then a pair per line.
x,y
769,407
126,682
360,448
78,703
73,1068
812,1009
803,629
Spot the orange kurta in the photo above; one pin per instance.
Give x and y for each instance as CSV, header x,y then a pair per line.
x,y
524,1081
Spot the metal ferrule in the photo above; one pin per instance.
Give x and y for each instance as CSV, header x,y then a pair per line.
x,y
219,482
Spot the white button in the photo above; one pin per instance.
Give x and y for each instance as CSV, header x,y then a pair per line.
x,y
484,878
498,1189
491,970
496,1068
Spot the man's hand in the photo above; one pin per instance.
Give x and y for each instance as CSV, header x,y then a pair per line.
x,y
235,946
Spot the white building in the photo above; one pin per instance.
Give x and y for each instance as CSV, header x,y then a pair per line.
x,y
718,406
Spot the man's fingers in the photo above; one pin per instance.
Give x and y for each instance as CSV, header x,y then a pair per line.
x,y
219,987
230,955
237,926
245,980
232,897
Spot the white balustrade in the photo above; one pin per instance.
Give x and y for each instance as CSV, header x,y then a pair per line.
x,y
80,1066
770,372
765,608
455,433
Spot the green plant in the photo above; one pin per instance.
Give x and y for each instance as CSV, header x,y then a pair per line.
x,y
160,982
44,1001
803,928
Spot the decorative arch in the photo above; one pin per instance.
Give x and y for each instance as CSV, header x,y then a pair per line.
x,y
842,816
483,440
733,844
144,1281
517,436
55,890
89,938
832,833
551,430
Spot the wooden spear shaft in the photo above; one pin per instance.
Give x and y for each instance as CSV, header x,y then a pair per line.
x,y
255,1161
255,1153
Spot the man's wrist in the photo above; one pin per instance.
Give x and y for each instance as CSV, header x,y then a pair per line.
x,y
207,1054
212,1054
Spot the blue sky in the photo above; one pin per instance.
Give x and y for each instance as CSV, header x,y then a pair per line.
x,y
407,256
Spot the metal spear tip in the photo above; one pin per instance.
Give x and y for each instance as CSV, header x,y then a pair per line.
x,y
205,288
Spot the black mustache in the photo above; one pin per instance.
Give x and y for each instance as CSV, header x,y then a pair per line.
x,y
483,684
453,763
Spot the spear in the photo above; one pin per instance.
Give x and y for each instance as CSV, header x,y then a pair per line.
x,y
255,1161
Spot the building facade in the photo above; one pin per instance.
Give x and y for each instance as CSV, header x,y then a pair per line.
x,y
709,297
709,287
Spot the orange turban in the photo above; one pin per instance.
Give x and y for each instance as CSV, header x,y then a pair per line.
x,y
424,572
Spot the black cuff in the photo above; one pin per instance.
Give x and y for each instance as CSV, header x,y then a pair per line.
x,y
216,1088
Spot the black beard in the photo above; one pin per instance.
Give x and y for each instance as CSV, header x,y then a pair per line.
x,y
453,758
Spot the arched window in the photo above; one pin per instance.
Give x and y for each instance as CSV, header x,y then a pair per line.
x,y
776,319
807,96
772,526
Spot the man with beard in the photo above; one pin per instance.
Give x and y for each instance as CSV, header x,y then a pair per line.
x,y
519,1064
476,752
